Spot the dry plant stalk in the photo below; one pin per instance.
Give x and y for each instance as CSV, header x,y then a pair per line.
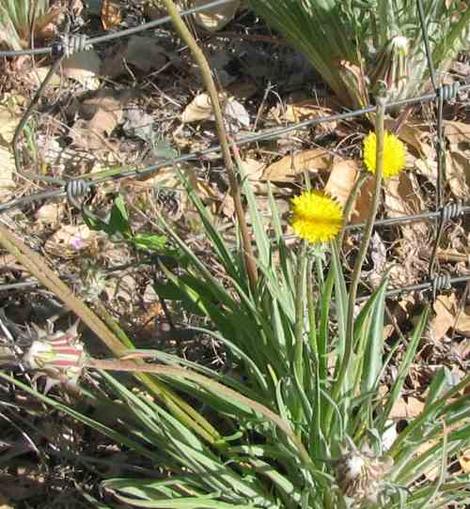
x,y
36,265
178,372
206,75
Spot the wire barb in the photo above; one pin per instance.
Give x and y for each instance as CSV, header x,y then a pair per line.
x,y
70,44
75,190
440,282
451,211
449,92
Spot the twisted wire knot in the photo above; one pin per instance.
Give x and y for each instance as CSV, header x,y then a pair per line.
x,y
440,282
69,44
76,190
451,211
448,92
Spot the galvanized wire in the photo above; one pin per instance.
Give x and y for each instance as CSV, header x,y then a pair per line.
x,y
265,135
441,282
443,93
75,188
93,41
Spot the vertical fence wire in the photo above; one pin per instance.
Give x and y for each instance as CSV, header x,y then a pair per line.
x,y
74,189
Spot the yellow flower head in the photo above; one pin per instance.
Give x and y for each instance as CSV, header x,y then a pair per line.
x,y
394,154
316,217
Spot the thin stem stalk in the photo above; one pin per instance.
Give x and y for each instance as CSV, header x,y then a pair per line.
x,y
36,265
209,83
356,276
300,312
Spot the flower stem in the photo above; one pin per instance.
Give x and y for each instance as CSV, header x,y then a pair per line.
x,y
299,312
208,81
351,201
356,276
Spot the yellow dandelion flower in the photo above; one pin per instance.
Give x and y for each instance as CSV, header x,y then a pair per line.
x,y
394,154
316,217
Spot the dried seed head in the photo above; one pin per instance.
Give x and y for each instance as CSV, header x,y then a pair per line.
x,y
59,356
360,474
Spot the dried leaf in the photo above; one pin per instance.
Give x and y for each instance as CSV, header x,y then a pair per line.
x,y
457,133
462,325
402,198
217,17
100,116
290,166
110,14
70,240
37,75
303,110
145,53
363,201
444,318
200,108
464,460
458,173
253,169
407,410
340,183
342,177
83,67
236,113
50,213
415,137
7,168
8,123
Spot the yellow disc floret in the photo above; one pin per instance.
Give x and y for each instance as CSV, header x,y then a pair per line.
x,y
394,154
316,217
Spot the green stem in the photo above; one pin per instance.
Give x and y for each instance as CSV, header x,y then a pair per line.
x,y
356,276
350,202
299,311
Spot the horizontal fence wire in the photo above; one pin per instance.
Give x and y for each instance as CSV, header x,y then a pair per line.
x,y
436,284
93,41
443,212
265,135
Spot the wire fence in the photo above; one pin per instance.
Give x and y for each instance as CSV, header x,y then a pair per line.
x,y
72,189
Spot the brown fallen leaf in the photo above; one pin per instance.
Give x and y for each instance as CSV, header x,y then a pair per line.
x,y
444,316
83,67
303,110
407,410
462,325
291,166
145,53
100,115
458,173
8,122
49,213
340,183
415,137
217,17
402,198
200,108
111,16
464,460
457,134
37,75
343,176
253,169
70,240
